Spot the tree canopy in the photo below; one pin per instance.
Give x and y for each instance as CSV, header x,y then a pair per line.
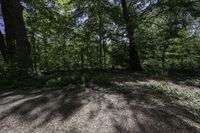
x,y
101,34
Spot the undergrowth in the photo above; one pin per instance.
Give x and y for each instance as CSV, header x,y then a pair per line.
x,y
193,82
69,80
163,88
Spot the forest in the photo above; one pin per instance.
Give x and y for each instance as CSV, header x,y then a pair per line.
x,y
100,66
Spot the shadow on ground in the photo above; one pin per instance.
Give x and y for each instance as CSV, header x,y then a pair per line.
x,y
127,109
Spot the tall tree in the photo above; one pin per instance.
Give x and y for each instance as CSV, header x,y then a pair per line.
x,y
16,36
9,30
134,61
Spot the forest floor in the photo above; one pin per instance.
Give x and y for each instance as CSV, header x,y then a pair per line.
x,y
112,103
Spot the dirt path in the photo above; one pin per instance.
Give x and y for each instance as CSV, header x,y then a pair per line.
x,y
130,109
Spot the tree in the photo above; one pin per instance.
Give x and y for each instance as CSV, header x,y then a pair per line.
x,y
19,48
3,47
134,61
106,34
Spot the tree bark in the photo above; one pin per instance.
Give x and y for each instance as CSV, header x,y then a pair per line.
x,y
164,57
3,47
6,6
16,36
104,53
23,51
134,61
100,34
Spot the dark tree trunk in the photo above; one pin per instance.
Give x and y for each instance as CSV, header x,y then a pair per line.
x,y
3,47
134,61
34,53
23,51
6,6
100,37
82,52
104,54
16,36
164,57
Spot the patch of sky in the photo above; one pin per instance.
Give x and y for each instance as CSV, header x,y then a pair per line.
x,y
81,20
52,4
141,6
2,28
49,4
23,4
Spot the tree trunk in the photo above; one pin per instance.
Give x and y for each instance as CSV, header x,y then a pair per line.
x,y
82,53
6,6
134,61
23,52
100,34
3,47
34,50
104,54
163,57
16,36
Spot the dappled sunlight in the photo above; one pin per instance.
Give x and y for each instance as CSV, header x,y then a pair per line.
x,y
122,107
99,66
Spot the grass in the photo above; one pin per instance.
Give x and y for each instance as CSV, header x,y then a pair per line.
x,y
173,93
193,82
168,91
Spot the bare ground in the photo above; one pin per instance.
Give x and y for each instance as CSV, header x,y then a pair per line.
x,y
128,106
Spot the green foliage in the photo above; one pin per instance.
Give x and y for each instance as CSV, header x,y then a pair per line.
x,y
163,88
71,79
193,82
82,79
90,34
